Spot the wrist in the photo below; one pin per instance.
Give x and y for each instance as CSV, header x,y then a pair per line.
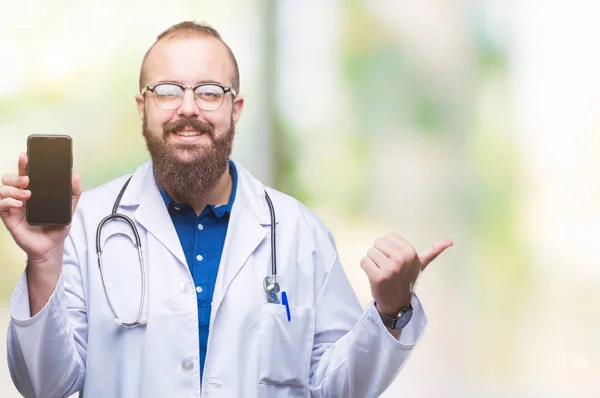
x,y
42,276
44,261
398,320
392,310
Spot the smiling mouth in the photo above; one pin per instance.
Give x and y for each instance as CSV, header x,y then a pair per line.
x,y
188,133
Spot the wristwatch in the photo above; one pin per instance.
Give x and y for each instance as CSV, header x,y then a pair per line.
x,y
400,321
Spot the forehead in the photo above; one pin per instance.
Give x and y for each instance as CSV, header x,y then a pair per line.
x,y
189,60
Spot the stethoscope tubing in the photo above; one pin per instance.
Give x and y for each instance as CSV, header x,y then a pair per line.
x,y
115,215
138,245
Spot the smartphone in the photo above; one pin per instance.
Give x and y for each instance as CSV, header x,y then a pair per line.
x,y
50,160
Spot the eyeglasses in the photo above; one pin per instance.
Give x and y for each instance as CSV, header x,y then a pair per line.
x,y
168,96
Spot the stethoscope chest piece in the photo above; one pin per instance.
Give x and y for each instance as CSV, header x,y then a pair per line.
x,y
271,289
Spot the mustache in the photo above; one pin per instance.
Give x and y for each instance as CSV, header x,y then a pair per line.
x,y
178,125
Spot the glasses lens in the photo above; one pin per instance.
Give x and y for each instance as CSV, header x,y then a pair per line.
x,y
167,96
209,97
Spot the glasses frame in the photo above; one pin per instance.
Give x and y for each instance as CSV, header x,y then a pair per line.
x,y
226,89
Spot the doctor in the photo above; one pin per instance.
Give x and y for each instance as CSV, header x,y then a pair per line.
x,y
207,326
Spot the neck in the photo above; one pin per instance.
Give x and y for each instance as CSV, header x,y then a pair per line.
x,y
218,195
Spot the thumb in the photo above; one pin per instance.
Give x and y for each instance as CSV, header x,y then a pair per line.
x,y
429,254
75,181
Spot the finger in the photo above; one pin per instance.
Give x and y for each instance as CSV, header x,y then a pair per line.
x,y
429,254
386,247
9,203
76,183
370,268
399,241
15,181
398,255
380,259
22,164
7,191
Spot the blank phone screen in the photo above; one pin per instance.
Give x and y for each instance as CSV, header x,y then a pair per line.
x,y
49,171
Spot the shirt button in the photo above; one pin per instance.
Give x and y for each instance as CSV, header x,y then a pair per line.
x,y
198,289
199,257
200,227
187,364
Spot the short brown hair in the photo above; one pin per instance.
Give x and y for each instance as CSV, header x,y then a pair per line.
x,y
192,28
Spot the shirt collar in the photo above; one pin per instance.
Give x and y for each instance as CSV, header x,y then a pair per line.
x,y
218,210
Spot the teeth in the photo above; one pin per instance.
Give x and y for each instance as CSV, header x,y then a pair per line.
x,y
188,133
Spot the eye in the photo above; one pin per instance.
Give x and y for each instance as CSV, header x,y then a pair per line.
x,y
209,93
168,90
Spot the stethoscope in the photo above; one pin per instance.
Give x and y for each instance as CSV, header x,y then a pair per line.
x,y
270,284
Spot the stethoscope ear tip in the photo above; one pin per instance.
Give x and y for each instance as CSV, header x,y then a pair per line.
x,y
143,321
117,322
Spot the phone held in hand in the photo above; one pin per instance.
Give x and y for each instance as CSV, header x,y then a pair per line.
x,y
50,160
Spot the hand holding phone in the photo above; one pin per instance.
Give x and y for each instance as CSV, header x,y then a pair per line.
x,y
37,241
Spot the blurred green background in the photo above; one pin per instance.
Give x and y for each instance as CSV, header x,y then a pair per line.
x,y
472,120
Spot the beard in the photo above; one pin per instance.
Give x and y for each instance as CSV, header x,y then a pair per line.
x,y
196,173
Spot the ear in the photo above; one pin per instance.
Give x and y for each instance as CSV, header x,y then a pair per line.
x,y
141,103
236,111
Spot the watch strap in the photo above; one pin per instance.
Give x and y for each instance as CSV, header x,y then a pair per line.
x,y
400,321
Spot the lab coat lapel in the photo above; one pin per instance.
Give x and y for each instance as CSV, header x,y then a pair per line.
x,y
248,226
152,214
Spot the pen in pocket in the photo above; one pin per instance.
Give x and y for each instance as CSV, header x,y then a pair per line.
x,y
284,301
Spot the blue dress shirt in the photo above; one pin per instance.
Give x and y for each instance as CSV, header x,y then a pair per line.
x,y
202,239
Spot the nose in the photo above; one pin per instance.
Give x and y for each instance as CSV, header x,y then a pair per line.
x,y
188,107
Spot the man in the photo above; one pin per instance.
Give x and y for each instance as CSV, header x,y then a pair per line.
x,y
210,323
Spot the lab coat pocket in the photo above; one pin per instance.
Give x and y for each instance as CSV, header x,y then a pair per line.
x,y
286,346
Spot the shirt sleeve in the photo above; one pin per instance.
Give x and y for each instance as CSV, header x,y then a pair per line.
x,y
356,358
47,352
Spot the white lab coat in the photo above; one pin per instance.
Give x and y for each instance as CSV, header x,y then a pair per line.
x,y
330,348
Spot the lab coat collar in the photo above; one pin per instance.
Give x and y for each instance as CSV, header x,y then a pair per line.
x,y
251,196
151,212
141,179
248,225
250,192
